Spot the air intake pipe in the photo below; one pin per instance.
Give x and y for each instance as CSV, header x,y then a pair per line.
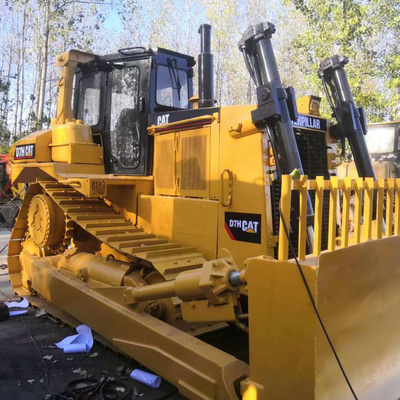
x,y
206,68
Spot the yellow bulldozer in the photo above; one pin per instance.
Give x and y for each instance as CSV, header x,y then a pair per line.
x,y
158,219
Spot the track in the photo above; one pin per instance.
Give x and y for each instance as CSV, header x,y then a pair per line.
x,y
107,226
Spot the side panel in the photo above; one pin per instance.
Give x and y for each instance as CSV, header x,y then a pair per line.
x,y
165,164
41,150
194,162
182,163
247,212
125,198
192,222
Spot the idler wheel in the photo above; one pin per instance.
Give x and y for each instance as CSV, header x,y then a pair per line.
x,y
46,222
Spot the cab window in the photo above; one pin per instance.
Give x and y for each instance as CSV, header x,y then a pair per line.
x,y
89,98
172,85
124,122
380,139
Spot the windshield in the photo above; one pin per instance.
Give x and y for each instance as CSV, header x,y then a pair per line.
x,y
172,86
380,139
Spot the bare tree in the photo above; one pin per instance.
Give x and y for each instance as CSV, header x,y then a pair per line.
x,y
45,51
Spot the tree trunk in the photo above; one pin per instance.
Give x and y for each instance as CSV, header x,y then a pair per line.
x,y
7,93
18,73
23,48
34,98
45,50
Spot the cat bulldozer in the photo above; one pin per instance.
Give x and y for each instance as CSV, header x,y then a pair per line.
x,y
160,219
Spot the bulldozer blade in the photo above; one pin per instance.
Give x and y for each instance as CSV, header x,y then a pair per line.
x,y
357,292
359,301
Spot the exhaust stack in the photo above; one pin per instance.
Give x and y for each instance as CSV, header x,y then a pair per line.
x,y
206,68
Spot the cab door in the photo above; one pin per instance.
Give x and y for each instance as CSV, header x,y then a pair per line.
x,y
89,101
127,142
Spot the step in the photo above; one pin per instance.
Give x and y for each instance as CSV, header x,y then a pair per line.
x,y
75,199
61,190
170,264
70,195
55,185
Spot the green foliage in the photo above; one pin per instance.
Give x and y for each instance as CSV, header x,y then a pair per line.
x,y
4,132
4,148
367,33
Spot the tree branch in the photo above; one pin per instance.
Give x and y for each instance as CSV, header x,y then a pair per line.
x,y
100,3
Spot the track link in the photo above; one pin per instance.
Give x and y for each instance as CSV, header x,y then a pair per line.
x,y
110,228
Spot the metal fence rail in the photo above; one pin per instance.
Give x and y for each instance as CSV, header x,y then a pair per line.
x,y
343,192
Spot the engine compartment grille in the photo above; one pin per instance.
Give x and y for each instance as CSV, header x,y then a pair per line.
x,y
313,154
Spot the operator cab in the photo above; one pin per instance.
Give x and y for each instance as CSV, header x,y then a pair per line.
x,y
383,141
116,94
